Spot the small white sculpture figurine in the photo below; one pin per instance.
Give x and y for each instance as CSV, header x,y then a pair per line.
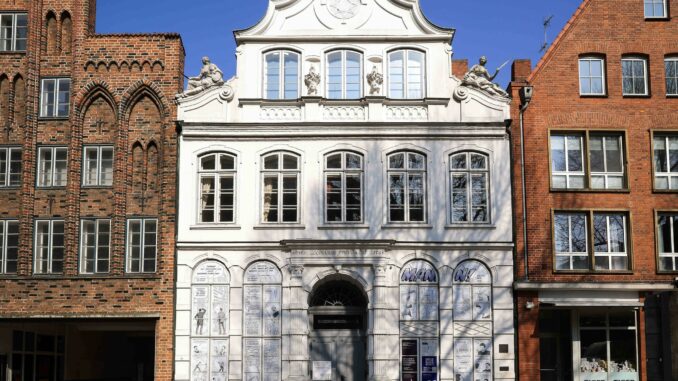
x,y
375,79
210,76
478,77
312,80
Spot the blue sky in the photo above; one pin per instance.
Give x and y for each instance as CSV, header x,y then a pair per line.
x,y
500,29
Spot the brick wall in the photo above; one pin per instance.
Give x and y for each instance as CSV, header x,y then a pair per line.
x,y
122,93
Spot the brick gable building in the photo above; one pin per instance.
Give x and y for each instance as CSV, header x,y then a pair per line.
x,y
87,195
596,248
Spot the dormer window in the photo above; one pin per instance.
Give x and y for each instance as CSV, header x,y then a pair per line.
x,y
281,68
406,74
344,73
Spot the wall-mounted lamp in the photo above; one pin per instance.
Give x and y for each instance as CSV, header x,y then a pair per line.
x,y
529,305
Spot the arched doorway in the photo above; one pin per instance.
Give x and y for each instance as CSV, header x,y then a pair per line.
x,y
338,320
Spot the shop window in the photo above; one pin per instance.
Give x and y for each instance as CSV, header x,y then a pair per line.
x,y
344,75
407,187
95,246
343,187
37,356
49,246
469,185
608,342
55,98
98,166
591,76
281,75
406,74
217,187
472,303
142,245
634,76
666,161
603,168
13,32
280,187
262,318
9,246
10,167
667,241
210,321
656,9
52,166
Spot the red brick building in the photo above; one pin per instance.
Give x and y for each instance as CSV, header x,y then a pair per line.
x,y
596,250
87,196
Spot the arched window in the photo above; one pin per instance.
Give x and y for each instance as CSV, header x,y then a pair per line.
x,y
344,74
407,187
418,311
217,187
262,301
472,306
280,187
281,74
343,187
406,74
210,320
469,184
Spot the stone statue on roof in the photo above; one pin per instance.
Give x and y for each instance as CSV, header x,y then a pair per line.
x,y
478,77
210,76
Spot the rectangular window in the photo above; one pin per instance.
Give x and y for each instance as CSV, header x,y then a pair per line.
x,y
655,9
634,76
605,168
10,167
9,246
49,246
595,241
671,65
280,188
343,187
98,166
95,246
591,76
667,241
608,345
142,245
55,98
37,356
52,166
666,162
13,32
281,75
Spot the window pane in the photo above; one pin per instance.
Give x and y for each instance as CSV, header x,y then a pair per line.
x,y
106,166
664,230
334,161
578,228
478,162
458,161
415,71
673,154
600,233
290,162
660,163
353,77
396,74
48,97
396,161
291,75
617,234
226,161
334,67
397,197
271,161
273,75
90,173
613,152
574,153
64,97
208,163
353,161
596,154
558,153
207,198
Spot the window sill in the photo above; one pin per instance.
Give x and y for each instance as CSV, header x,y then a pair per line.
x,y
470,226
343,226
45,188
12,52
672,96
95,187
594,273
589,190
665,191
51,277
411,225
657,18
12,188
53,118
648,96
216,226
593,95
280,226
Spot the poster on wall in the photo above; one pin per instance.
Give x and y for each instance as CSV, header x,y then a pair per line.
x,y
219,310
428,303
322,370
263,272
272,312
409,360
482,303
429,359
200,310
252,359
272,360
219,360
408,303
199,359
463,360
462,303
211,272
253,310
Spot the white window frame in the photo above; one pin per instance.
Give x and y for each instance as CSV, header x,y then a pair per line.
x,y
96,244
344,60
142,245
217,174
633,77
100,181
281,73
52,170
669,175
14,29
406,55
590,77
343,172
671,249
44,105
4,246
281,174
6,173
674,61
570,253
37,258
611,254
469,173
567,173
406,171
653,2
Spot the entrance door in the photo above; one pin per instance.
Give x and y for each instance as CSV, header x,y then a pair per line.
x,y
337,345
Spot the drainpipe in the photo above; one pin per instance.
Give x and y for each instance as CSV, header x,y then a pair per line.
x,y
525,97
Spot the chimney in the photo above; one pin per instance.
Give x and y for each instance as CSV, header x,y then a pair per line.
x,y
520,70
459,68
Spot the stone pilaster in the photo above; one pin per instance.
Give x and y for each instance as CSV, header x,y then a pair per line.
x,y
383,328
295,327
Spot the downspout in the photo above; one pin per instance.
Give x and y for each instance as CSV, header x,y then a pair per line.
x,y
522,176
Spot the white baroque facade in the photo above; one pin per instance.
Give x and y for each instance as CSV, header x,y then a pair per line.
x,y
344,206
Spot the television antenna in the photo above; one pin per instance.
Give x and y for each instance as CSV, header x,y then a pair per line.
x,y
547,24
